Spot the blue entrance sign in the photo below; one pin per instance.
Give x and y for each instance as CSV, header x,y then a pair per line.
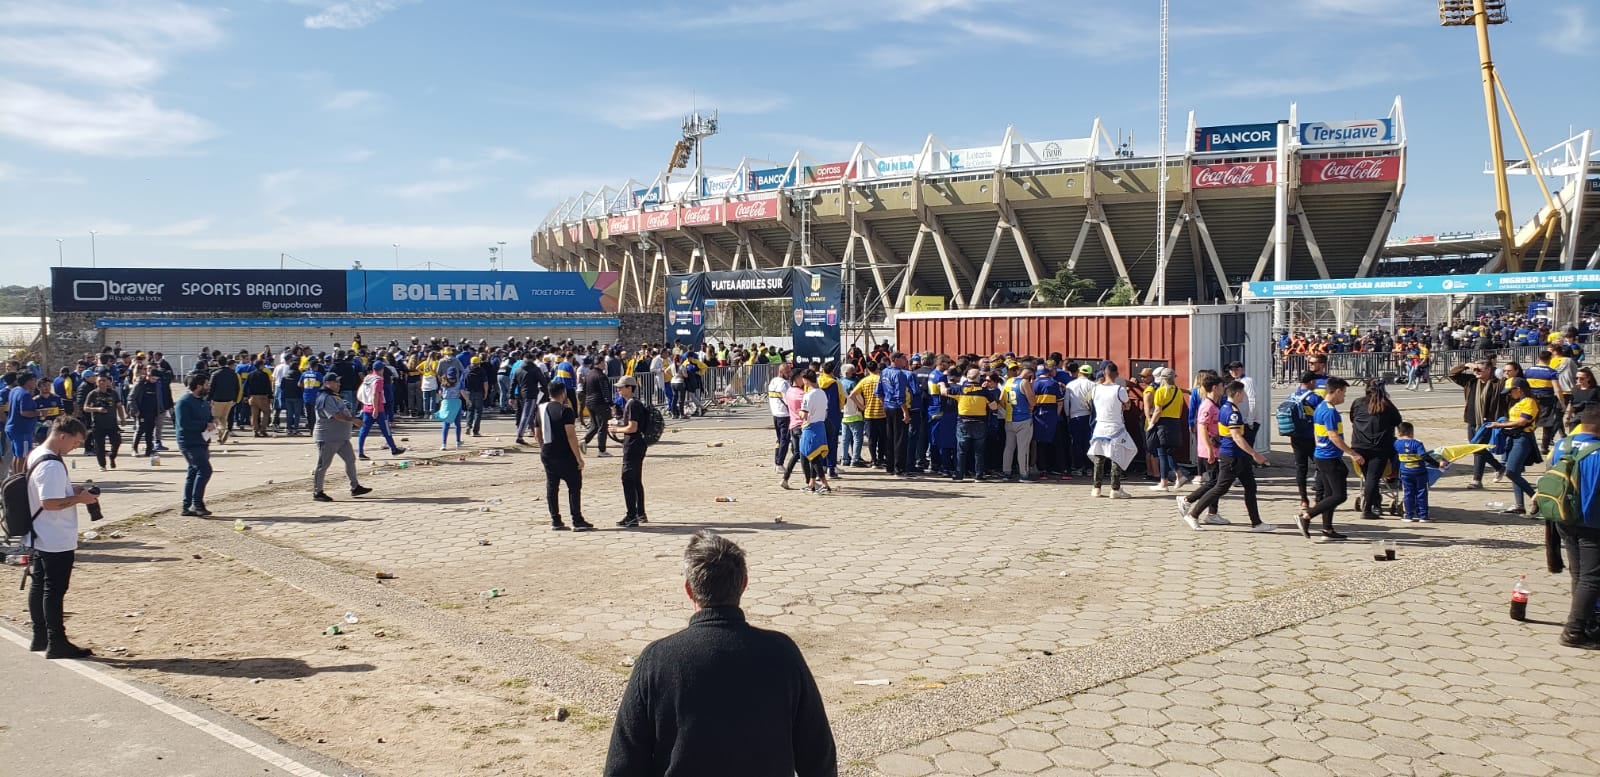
x,y
1492,283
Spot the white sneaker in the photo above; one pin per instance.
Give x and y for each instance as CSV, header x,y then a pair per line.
x,y
1216,520
1499,478
1262,528
1183,480
1121,494
1183,507
1162,486
1191,522
1096,493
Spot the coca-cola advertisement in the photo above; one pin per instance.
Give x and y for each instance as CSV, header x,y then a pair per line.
x,y
623,225
1225,175
702,215
753,210
1371,169
828,173
660,219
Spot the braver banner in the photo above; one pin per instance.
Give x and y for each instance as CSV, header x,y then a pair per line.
x,y
197,291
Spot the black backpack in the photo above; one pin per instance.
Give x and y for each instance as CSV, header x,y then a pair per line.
x,y
652,425
14,491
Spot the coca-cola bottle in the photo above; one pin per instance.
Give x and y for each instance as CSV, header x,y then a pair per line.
x,y
1519,599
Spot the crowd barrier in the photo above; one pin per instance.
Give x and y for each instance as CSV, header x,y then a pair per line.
x,y
1391,366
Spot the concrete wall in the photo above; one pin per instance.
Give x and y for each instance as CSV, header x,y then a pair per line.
x,y
641,328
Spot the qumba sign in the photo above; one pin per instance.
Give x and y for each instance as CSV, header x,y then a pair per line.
x,y
1352,170
1224,176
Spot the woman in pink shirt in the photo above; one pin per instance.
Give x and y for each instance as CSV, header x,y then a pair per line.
x,y
1206,442
793,398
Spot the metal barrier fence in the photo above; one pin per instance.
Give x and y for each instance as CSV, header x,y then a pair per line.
x,y
719,385
1390,366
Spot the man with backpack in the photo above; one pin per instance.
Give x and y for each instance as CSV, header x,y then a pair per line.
x,y
43,504
1295,422
634,426
1569,497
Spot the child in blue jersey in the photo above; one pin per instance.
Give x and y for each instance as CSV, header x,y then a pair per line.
x,y
1414,461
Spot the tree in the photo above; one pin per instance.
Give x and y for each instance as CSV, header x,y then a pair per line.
x,y
1122,295
1067,289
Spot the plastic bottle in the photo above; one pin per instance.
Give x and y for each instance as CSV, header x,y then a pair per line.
x,y
1496,505
239,525
1519,599
155,460
350,617
493,593
726,499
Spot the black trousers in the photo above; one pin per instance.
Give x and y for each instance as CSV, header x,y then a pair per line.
x,y
106,442
556,472
1231,468
1304,450
796,458
780,427
878,431
1331,477
146,431
52,574
1372,474
1208,478
599,416
896,433
633,485
1583,561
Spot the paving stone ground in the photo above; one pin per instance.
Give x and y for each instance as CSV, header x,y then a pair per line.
x,y
938,587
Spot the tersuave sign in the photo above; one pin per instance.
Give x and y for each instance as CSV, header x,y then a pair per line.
x,y
1347,133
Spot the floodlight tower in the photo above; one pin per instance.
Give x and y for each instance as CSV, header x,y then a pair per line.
x,y
1480,14
696,128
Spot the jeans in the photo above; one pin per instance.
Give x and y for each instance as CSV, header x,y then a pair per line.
x,y
780,427
1165,464
1331,477
794,457
1522,449
199,474
599,416
1208,473
555,473
1231,468
430,402
505,393
326,451
832,459
1078,428
633,485
1415,487
971,435
475,403
368,420
878,441
853,431
1019,439
349,398
294,407
145,431
674,395
1583,561
52,575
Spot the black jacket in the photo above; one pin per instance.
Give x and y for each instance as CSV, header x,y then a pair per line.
x,y
531,381
1484,402
722,697
1373,432
258,383
225,385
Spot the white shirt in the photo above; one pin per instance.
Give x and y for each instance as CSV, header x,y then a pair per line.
x,y
1108,401
776,388
57,530
1080,387
1249,410
279,373
815,403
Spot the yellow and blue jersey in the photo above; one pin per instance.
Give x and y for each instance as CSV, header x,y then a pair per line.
x,y
1412,455
972,400
1015,401
1324,422
1229,420
1542,380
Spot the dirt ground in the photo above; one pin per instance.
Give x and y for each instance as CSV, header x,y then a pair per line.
x,y
375,697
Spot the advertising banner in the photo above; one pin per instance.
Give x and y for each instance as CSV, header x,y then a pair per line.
x,y
1054,151
623,225
204,290
646,197
763,209
772,178
1355,170
981,158
1223,176
1362,132
1490,283
718,185
817,295
832,172
890,166
701,215
482,291
750,284
1236,137
686,309
353,323
657,220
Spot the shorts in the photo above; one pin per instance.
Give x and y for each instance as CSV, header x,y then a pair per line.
x,y
21,445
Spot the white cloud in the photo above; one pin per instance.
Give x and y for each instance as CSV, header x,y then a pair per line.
x,y
1570,35
54,51
425,190
378,237
892,57
996,32
350,99
635,106
180,228
358,155
823,14
120,124
502,154
279,190
351,14
560,187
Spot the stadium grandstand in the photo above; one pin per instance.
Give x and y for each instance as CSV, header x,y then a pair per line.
x,y
981,226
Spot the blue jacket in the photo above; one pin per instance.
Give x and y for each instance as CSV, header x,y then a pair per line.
x,y
191,416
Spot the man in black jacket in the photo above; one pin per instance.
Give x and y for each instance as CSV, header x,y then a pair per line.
x,y
226,390
1484,403
721,696
597,400
531,387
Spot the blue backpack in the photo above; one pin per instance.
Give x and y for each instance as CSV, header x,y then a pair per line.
x,y
1292,420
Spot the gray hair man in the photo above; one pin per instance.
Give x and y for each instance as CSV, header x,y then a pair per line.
x,y
721,696
331,435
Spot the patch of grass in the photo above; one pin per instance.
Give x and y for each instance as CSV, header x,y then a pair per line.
x,y
461,678
427,708
516,682
1043,555
508,741
451,606
354,698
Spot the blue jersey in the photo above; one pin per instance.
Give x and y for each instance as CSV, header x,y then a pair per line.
x,y
1412,455
1229,420
310,385
1325,421
1016,402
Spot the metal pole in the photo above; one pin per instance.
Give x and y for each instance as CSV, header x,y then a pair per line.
x,y
1161,176
94,260
61,260
396,255
1280,220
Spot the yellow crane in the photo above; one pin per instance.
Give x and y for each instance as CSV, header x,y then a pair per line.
x,y
1480,14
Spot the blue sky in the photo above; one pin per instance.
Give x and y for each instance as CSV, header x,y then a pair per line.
x,y
208,134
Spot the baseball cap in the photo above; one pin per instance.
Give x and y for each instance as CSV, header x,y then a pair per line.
x,y
1085,369
1516,383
